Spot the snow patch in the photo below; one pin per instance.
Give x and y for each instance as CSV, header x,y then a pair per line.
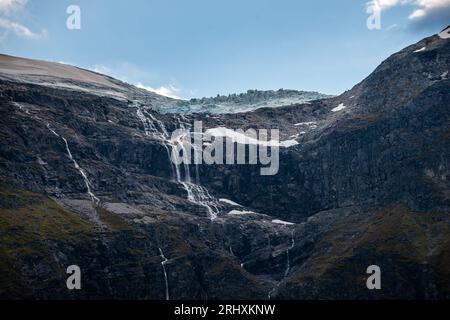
x,y
227,201
288,143
421,49
283,222
241,138
445,34
311,123
339,108
239,213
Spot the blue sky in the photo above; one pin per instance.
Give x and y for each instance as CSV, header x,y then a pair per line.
x,y
202,48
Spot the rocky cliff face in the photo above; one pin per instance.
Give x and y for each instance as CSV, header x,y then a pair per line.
x,y
86,179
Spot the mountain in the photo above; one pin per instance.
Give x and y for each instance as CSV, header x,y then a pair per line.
x,y
66,77
243,102
86,179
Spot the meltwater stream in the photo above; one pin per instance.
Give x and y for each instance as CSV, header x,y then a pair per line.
x,y
195,192
288,260
163,264
288,266
80,170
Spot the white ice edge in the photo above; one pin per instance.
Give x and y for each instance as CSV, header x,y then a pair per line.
x,y
230,202
283,222
241,138
339,108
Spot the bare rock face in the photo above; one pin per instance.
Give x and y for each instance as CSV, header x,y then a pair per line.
x,y
86,180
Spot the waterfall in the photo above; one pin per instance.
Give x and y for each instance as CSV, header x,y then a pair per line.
x,y
160,124
288,266
151,130
149,125
274,289
163,264
80,170
288,262
196,193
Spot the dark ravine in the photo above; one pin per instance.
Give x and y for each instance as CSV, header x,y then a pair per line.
x,y
367,184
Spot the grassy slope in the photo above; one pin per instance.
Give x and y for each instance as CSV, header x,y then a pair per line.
x,y
405,243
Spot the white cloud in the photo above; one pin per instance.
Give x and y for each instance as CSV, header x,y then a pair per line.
x,y
125,71
19,29
392,26
99,68
428,7
133,74
422,10
9,6
9,24
167,91
380,5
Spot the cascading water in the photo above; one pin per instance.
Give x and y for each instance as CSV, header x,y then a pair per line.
x,y
288,265
150,129
163,264
288,262
80,170
195,192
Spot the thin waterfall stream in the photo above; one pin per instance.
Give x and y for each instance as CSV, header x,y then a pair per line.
x,y
163,264
94,199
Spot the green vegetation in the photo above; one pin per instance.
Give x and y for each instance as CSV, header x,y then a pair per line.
x,y
412,236
29,225
112,221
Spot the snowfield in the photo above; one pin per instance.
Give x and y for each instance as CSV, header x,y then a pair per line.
x,y
241,138
445,34
230,202
239,213
339,108
27,67
277,221
421,49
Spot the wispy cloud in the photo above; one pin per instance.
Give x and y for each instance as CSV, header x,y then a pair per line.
x,y
19,29
9,6
168,91
132,74
9,23
424,12
125,71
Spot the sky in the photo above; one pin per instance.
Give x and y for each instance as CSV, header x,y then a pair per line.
x,y
203,48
